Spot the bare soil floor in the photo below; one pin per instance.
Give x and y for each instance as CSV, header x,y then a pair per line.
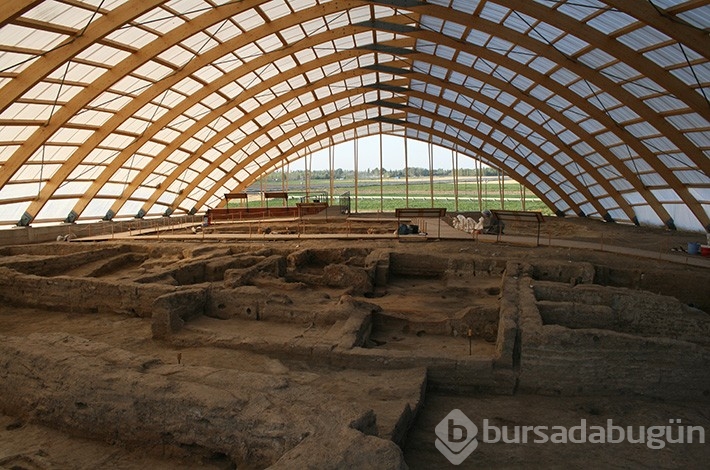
x,y
405,303
532,410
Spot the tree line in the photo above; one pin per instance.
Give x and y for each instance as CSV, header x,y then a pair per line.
x,y
374,173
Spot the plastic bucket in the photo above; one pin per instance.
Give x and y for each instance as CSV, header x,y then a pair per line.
x,y
693,248
705,250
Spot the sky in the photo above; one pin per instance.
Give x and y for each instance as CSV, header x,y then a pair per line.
x,y
393,155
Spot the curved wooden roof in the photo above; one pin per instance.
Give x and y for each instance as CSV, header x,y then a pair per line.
x,y
120,107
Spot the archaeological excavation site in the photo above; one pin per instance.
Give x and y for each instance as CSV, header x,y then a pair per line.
x,y
333,353
354,234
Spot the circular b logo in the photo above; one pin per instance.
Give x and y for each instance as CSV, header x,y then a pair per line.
x,y
456,437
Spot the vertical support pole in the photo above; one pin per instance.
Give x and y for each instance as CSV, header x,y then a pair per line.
x,y
382,200
288,171
454,173
331,163
479,179
284,201
485,187
406,171
262,188
355,165
305,176
431,173
310,176
501,188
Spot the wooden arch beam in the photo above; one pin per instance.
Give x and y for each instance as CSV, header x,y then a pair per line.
x,y
339,96
105,81
357,125
585,100
324,120
54,59
172,146
666,173
689,36
9,10
64,114
596,38
593,174
316,104
593,77
690,151
48,187
621,168
159,159
561,169
236,125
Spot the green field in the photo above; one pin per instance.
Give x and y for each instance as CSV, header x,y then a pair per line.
x,y
464,205
394,190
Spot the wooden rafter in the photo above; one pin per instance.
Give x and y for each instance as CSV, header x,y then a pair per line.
x,y
312,123
400,25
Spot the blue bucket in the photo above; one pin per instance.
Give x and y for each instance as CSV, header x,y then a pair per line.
x,y
693,248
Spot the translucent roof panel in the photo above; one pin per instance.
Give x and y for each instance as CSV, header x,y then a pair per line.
x,y
137,107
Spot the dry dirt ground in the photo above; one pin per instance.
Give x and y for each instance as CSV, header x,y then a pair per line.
x,y
27,443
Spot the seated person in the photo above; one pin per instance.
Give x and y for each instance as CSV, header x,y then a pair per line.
x,y
489,224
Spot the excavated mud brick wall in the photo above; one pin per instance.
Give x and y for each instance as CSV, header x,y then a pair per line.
x,y
576,338
80,295
97,391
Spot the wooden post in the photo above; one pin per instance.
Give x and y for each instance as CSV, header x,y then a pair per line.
x,y
406,171
382,200
331,163
501,189
479,179
262,189
305,175
485,188
355,165
455,173
284,202
431,173
288,171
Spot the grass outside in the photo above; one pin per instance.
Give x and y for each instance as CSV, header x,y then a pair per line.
x,y
464,205
394,192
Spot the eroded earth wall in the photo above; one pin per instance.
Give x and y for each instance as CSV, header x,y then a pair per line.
x,y
91,389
